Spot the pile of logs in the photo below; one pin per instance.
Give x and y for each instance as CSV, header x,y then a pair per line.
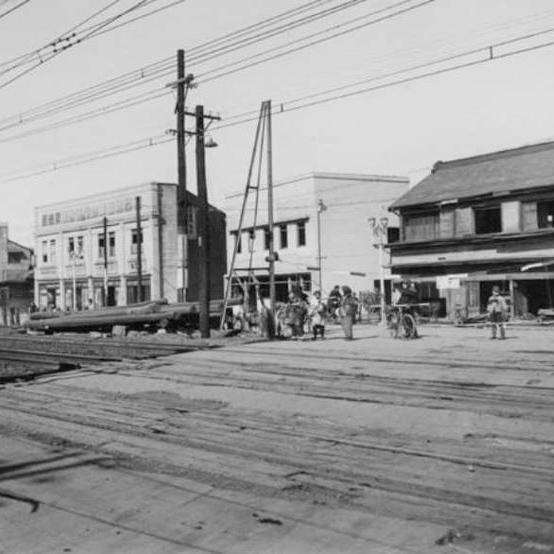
x,y
156,314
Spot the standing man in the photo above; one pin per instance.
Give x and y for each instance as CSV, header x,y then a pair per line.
x,y
497,310
347,312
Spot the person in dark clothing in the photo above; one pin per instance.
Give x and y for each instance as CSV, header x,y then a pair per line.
x,y
348,309
334,301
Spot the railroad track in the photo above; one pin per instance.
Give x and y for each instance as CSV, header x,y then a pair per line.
x,y
512,400
271,451
134,349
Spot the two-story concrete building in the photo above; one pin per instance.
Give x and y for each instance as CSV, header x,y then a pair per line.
x,y
71,269
480,221
342,203
16,279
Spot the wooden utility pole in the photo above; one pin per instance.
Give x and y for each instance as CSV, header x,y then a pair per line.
x,y
271,256
203,226
105,224
181,175
139,250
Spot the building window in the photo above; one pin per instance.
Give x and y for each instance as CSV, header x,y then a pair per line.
x,y
45,251
52,251
80,245
101,245
301,233
192,225
421,226
487,220
266,238
251,238
545,214
283,236
70,245
111,244
393,234
135,240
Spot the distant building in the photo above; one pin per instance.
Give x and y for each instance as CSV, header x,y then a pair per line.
x,y
348,254
16,279
478,222
70,246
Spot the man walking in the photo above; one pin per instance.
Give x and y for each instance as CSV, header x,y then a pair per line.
x,y
497,310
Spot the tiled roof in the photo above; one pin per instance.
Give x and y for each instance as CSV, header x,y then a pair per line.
x,y
521,168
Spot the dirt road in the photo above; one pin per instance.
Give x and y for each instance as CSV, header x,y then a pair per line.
x,y
444,444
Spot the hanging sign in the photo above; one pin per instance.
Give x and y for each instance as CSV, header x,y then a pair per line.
x,y
450,281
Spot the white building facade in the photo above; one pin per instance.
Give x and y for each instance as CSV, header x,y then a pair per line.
x,y
69,239
345,202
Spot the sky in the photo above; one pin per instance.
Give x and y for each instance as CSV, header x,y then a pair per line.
x,y
396,130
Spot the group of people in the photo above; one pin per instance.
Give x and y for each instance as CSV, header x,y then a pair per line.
x,y
310,314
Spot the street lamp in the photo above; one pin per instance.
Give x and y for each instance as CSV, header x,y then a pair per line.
x,y
379,230
321,207
75,255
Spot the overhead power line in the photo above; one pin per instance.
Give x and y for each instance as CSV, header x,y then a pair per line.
x,y
12,9
317,41
24,64
161,68
282,107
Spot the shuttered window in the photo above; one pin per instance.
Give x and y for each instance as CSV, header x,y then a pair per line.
x,y
421,227
447,218
464,222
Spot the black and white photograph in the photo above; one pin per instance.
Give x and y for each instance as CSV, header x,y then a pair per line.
x,y
277,277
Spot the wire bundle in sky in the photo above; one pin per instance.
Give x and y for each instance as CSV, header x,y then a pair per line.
x,y
242,38
487,55
15,68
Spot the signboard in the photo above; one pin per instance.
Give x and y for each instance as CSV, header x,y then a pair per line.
x,y
450,281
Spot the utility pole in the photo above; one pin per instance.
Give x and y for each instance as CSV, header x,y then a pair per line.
x,y
270,221
321,207
203,226
139,250
105,223
182,241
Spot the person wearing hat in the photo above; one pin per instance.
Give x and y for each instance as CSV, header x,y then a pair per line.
x,y
348,309
497,310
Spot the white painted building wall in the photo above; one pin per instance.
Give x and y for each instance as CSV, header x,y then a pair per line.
x,y
349,257
82,220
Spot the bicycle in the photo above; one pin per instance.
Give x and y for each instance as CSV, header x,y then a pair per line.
x,y
401,321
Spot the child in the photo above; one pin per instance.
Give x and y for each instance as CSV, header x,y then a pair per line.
x,y
318,311
497,310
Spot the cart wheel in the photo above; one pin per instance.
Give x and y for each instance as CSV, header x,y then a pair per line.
x,y
409,330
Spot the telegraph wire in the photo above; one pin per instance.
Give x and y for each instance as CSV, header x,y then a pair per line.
x,y
126,78
162,139
282,107
94,93
264,35
17,6
69,39
317,41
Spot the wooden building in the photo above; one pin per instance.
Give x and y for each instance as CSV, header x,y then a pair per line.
x,y
478,222
16,279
